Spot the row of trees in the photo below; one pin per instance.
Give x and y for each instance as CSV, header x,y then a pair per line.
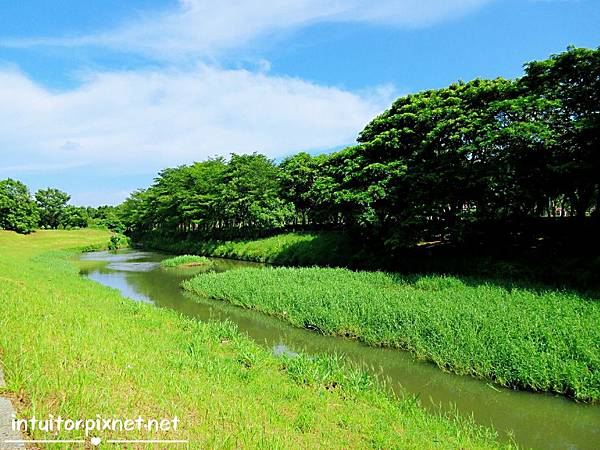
x,y
48,208
242,193
434,166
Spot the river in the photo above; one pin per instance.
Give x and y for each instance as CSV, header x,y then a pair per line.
x,y
541,421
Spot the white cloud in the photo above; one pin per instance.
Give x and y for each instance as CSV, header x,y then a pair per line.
x,y
137,122
142,121
204,27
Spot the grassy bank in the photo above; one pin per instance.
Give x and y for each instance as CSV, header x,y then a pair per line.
x,y
290,249
543,341
74,348
334,249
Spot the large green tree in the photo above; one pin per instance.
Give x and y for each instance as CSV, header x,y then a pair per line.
x,y
445,164
52,203
298,174
75,217
252,193
18,212
573,79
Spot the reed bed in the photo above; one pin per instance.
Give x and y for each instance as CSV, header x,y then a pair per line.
x,y
541,340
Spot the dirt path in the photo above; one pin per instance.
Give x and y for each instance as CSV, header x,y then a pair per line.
x,y
6,415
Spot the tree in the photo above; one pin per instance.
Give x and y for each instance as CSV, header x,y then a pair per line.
x,y
573,79
298,174
440,165
74,217
18,212
134,213
51,203
106,216
251,195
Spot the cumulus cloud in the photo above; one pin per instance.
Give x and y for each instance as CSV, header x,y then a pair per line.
x,y
136,122
204,27
145,120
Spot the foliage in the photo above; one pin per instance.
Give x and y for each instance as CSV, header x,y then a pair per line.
x,y
18,212
50,210
572,80
291,249
186,260
440,165
74,217
103,354
118,241
240,194
106,217
539,340
52,204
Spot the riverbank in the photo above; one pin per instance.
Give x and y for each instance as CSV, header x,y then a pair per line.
x,y
550,267
526,338
289,249
74,348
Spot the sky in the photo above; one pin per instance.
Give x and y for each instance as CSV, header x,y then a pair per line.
x,y
97,96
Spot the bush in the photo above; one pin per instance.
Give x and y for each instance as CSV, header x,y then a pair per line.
x,y
186,260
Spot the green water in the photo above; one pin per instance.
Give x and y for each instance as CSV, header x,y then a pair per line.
x,y
533,420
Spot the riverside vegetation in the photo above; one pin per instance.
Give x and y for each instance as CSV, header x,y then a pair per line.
x,y
74,348
292,249
486,177
186,260
493,178
489,169
503,166
537,340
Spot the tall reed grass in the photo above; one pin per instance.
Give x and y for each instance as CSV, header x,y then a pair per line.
x,y
538,340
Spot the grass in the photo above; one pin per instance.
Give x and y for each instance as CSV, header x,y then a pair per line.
x,y
559,267
74,348
186,260
538,340
290,249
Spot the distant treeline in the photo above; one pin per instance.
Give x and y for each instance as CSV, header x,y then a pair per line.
x,y
437,165
48,208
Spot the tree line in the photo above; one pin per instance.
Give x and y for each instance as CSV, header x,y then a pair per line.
x,y
48,209
436,165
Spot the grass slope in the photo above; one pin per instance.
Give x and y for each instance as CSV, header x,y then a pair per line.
x,y
74,348
543,341
555,266
290,249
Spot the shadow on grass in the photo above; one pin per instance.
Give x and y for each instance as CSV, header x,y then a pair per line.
x,y
539,271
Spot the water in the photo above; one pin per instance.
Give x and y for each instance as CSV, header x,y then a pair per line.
x,y
533,420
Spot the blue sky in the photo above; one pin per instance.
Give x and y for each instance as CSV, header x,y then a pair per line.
x,y
95,97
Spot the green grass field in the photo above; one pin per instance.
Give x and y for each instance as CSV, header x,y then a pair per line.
x,y
538,340
74,348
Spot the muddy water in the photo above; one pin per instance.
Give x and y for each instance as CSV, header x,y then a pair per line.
x,y
533,420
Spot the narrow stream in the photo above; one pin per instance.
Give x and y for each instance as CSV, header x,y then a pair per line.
x,y
533,420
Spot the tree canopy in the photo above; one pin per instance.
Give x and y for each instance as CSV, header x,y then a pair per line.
x,y
18,212
50,209
438,165
435,166
51,203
